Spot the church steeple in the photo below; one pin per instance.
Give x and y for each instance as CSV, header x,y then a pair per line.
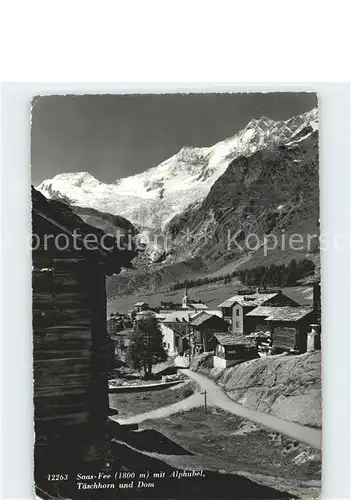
x,y
185,299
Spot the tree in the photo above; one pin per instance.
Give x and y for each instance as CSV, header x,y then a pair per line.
x,y
146,346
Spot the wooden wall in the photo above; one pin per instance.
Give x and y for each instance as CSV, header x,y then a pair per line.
x,y
69,345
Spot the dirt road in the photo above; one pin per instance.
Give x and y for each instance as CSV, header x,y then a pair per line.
x,y
216,397
185,404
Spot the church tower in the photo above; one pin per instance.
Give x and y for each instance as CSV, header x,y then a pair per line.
x,y
185,299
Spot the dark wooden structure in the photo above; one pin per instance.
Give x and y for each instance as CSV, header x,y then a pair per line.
x,y
288,326
71,349
204,325
232,349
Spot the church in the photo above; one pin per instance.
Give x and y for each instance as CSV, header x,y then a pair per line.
x,y
189,304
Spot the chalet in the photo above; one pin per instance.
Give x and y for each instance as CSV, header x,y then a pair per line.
x,y
232,349
288,325
121,340
140,306
235,308
116,323
176,331
71,348
143,314
203,326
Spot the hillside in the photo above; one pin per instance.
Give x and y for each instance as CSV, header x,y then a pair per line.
x,y
288,387
271,192
110,224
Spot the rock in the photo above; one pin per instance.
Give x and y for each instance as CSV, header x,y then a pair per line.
x,y
305,456
288,387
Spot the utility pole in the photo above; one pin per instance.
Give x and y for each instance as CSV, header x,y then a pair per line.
x,y
205,397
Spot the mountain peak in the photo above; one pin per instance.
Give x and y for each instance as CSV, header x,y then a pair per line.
x,y
76,178
263,122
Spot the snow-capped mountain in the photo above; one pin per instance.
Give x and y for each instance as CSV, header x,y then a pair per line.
x,y
153,197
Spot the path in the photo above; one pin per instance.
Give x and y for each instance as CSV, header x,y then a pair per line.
x,y
185,404
157,386
216,397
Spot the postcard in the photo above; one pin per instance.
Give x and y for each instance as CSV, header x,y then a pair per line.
x,y
176,296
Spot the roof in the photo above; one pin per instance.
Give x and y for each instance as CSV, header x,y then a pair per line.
x,y
287,313
179,316
263,311
256,335
198,305
313,279
217,312
230,339
138,304
163,315
248,300
281,313
142,314
199,319
56,217
127,332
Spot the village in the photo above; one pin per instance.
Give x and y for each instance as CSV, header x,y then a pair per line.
x,y
251,324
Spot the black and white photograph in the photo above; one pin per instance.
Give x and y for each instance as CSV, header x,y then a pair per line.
x,y
176,296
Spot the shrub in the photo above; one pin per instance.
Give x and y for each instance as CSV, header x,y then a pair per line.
x,y
187,393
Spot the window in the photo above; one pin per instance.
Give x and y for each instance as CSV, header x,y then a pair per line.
x,y
237,312
237,324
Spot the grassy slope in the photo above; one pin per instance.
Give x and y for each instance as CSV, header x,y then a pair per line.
x,y
141,402
225,442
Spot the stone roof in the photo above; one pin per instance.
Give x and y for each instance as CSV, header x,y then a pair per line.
x,y
127,332
263,311
199,319
286,313
248,300
198,305
230,339
180,316
281,313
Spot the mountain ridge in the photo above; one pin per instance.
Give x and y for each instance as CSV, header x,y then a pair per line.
x,y
151,198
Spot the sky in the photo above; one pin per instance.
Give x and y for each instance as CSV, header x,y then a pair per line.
x,y
113,136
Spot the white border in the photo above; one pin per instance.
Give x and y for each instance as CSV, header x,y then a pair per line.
x,y
334,101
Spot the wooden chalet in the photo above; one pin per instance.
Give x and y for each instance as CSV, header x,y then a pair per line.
x,y
288,325
176,331
232,349
204,325
71,349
